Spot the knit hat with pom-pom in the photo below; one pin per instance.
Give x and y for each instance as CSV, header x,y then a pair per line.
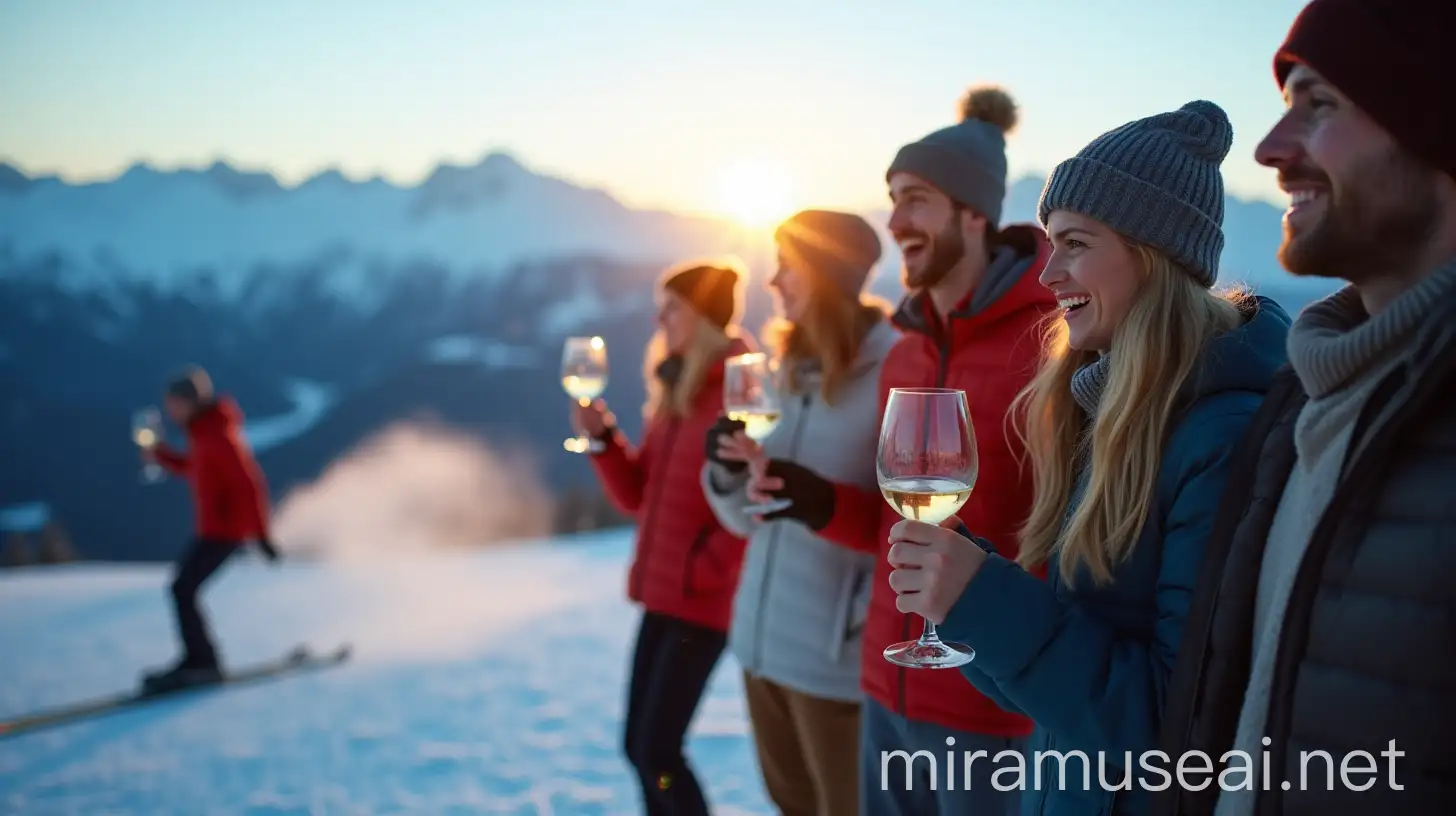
x,y
967,161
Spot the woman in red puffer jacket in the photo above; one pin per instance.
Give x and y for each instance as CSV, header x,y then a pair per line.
x,y
685,566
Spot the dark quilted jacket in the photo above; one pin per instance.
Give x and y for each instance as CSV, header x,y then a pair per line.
x,y
1365,655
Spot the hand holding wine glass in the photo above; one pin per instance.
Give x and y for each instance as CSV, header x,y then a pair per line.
x,y
590,419
933,565
739,447
927,466
750,397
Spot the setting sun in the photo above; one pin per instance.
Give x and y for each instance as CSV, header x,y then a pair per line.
x,y
755,193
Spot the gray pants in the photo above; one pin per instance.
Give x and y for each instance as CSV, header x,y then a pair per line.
x,y
894,781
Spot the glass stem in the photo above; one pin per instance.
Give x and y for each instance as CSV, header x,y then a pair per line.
x,y
929,636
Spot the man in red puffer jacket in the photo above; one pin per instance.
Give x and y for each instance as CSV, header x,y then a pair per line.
x,y
970,322
230,499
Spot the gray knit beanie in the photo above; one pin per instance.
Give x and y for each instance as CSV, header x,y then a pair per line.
x,y
1156,181
967,161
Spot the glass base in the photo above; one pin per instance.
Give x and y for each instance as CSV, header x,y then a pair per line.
x,y
582,444
768,507
929,654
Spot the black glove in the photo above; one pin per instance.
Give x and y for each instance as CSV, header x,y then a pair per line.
x,y
812,495
266,545
724,427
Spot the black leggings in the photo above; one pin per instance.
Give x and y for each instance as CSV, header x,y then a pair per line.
x,y
201,560
670,670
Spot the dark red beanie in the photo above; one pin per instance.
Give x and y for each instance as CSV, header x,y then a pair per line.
x,y
1390,57
710,288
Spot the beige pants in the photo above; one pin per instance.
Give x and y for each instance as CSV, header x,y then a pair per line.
x,y
808,749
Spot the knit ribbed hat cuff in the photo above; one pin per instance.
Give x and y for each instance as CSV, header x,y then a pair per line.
x,y
956,175
1137,209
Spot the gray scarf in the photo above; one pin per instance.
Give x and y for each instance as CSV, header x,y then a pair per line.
x,y
1088,382
1333,340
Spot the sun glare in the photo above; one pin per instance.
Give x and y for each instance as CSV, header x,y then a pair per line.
x,y
755,193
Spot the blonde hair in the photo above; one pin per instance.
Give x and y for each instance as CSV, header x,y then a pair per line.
x,y
705,347
830,333
1157,348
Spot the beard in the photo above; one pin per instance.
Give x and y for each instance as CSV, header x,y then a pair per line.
x,y
947,248
1377,221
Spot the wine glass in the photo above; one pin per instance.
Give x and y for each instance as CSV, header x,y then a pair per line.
x,y
146,432
927,466
749,396
584,376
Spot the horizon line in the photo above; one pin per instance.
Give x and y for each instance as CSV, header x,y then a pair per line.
x,y
221,160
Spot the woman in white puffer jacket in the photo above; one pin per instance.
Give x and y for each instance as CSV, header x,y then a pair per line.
x,y
801,600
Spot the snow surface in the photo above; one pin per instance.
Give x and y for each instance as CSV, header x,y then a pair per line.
x,y
482,682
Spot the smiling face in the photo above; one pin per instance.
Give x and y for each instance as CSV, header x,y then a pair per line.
x,y
1360,206
793,288
934,235
1095,276
676,319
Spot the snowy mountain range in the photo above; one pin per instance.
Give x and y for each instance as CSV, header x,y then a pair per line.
x,y
334,308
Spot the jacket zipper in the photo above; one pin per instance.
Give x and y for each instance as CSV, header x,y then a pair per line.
x,y
773,544
942,371
649,534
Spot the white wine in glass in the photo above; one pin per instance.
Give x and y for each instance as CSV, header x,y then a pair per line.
x,y
146,432
750,396
927,466
584,377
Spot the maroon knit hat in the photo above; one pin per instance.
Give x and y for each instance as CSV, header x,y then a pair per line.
x,y
1390,57
711,288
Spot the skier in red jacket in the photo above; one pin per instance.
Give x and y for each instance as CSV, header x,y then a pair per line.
x,y
230,499
971,321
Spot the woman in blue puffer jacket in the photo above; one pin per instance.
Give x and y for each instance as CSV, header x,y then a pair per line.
x,y
1148,382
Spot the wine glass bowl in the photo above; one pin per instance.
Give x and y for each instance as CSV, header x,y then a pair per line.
x,y
146,432
584,378
750,396
927,466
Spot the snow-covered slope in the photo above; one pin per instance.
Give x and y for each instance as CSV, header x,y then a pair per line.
x,y
482,683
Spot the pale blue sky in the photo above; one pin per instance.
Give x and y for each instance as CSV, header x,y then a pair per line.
x,y
651,100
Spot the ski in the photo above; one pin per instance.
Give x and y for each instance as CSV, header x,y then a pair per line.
x,y
300,659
